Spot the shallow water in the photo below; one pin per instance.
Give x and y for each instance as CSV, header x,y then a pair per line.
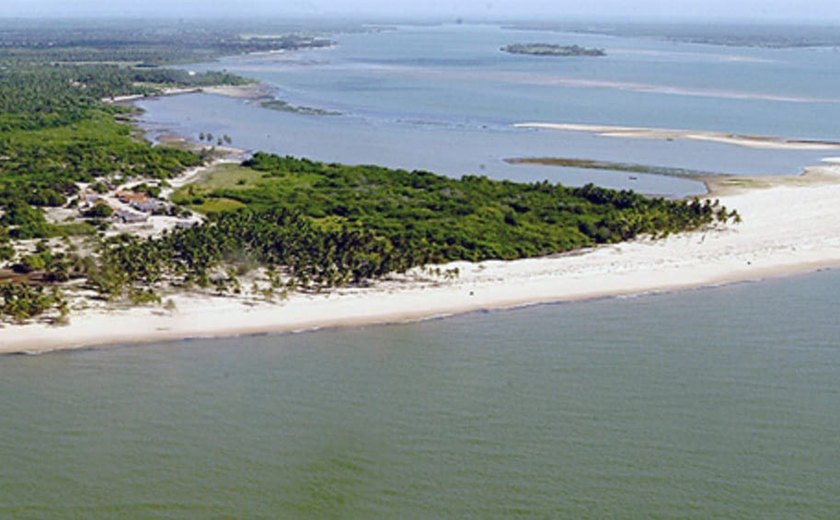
x,y
720,402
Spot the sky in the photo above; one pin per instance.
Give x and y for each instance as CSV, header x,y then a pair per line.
x,y
826,11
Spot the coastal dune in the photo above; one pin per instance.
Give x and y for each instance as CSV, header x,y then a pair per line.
x,y
790,225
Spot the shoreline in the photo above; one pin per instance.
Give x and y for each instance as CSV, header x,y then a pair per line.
x,y
769,243
254,91
136,320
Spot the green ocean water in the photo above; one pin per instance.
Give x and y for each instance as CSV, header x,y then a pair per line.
x,y
715,403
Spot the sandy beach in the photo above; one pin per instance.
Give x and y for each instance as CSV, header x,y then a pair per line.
x,y
749,141
249,91
790,225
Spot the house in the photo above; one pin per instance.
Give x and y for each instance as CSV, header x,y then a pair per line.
x,y
140,201
147,206
131,217
129,197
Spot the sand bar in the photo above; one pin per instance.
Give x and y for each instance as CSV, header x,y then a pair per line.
x,y
251,91
248,91
748,141
791,225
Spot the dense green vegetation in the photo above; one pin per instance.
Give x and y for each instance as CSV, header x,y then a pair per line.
x,y
549,49
145,44
473,218
315,226
36,97
299,252
21,302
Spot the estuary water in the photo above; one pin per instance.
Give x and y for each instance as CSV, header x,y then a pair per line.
x,y
714,403
444,98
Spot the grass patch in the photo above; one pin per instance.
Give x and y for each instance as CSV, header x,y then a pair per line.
x,y
217,205
199,195
229,177
217,189
177,144
74,229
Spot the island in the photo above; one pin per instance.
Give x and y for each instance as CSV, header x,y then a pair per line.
x,y
284,106
550,49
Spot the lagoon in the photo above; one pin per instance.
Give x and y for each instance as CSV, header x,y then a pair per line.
x,y
444,98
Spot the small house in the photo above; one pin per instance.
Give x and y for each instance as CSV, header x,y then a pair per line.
x,y
131,217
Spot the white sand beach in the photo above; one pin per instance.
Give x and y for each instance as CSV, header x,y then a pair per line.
x,y
252,91
790,225
748,141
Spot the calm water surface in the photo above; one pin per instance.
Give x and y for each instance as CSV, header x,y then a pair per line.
x,y
713,403
445,98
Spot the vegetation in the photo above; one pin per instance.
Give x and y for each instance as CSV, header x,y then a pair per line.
x,y
136,44
548,49
99,211
22,302
589,164
285,106
473,218
222,176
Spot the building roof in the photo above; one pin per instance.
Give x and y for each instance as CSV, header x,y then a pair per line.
x,y
130,196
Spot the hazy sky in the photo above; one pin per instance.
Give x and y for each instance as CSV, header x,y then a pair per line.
x,y
761,10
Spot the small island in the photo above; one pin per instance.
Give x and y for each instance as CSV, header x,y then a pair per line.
x,y
550,49
285,106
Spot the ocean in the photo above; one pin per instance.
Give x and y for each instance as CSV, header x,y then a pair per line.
x,y
712,403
